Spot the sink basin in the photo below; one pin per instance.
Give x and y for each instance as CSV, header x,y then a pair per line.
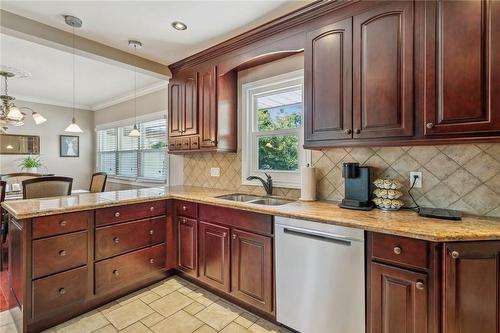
x,y
254,199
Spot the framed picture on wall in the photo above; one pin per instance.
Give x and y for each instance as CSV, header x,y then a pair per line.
x,y
69,146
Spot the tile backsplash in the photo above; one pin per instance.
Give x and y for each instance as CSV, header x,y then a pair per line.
x,y
463,177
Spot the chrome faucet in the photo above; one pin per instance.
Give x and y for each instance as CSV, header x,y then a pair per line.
x,y
268,185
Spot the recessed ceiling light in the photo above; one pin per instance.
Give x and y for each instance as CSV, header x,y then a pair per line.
x,y
179,25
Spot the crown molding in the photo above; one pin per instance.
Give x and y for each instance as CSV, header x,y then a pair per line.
x,y
48,101
130,95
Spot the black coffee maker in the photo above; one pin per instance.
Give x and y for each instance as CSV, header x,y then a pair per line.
x,y
357,187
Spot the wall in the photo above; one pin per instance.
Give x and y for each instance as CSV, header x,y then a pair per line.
x,y
58,118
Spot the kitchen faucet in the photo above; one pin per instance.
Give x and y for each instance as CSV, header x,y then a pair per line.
x,y
268,185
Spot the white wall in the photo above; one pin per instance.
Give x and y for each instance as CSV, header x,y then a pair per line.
x,y
58,118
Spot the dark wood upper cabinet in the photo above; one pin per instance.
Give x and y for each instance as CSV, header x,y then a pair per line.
x,y
328,82
208,106
183,107
471,287
397,300
174,108
214,255
190,113
187,233
383,71
462,67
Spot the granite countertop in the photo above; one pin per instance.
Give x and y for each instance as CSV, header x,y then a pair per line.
x,y
404,223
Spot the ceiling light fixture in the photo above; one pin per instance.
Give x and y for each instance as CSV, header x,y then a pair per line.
x,y
177,25
135,44
73,22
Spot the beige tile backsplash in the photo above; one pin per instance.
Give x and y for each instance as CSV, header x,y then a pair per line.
x,y
463,177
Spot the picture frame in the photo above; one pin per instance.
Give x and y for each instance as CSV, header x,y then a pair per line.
x,y
69,146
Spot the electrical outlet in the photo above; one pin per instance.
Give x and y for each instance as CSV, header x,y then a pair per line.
x,y
215,172
418,182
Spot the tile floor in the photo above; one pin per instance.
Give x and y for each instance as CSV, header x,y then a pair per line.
x,y
170,306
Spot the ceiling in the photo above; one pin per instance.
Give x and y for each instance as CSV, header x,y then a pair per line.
x,y
52,76
115,22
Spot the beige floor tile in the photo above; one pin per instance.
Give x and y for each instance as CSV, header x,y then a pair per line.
x,y
203,297
106,329
235,328
264,326
85,323
165,289
137,327
205,329
150,297
152,319
246,319
128,314
187,289
194,308
131,297
219,314
109,307
171,303
180,322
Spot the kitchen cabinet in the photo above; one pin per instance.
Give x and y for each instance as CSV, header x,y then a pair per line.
x,y
462,67
208,106
398,300
183,107
252,269
214,255
187,233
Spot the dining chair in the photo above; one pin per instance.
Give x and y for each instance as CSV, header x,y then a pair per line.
x,y
3,226
45,187
98,182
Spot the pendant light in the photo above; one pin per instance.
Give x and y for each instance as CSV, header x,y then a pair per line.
x,y
73,22
135,131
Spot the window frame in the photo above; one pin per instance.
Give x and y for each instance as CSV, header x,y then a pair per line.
x,y
251,134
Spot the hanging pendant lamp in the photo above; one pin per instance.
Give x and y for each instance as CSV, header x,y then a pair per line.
x,y
135,44
73,22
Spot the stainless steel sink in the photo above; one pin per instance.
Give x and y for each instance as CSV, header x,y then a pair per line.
x,y
254,199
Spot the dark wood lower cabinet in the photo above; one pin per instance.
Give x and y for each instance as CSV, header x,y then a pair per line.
x,y
214,255
187,233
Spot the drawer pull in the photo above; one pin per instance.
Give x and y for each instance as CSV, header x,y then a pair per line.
x,y
357,131
151,232
429,125
62,253
62,291
234,236
63,223
151,261
455,254
397,250
116,273
116,240
184,208
347,131
151,208
420,285
117,214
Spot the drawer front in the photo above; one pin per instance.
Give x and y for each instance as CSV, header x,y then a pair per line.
x,y
123,270
59,253
402,250
186,208
157,229
59,290
194,142
60,224
255,222
120,238
117,214
185,143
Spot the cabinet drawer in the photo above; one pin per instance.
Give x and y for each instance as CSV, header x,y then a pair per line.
x,y
59,290
123,270
256,222
395,249
60,224
124,213
186,208
194,142
185,143
59,253
157,229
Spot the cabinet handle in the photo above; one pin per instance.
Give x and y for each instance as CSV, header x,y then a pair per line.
x,y
397,250
63,223
420,285
151,231
62,253
151,208
429,125
347,131
234,236
455,254
115,272
151,261
224,234
357,131
62,291
116,240
184,208
117,214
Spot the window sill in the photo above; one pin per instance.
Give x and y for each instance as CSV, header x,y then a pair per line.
x,y
142,182
276,183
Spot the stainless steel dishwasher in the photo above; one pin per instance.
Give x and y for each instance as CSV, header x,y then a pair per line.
x,y
320,277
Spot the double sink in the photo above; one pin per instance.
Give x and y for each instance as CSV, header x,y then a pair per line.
x,y
255,199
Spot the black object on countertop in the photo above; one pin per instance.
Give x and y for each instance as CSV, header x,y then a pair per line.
x,y
440,213
357,187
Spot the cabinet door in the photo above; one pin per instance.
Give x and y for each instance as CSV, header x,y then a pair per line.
x,y
328,82
214,255
397,300
471,287
187,231
462,67
383,71
190,109
208,107
175,108
252,269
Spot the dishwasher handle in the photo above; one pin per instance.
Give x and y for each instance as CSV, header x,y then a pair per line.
x,y
332,238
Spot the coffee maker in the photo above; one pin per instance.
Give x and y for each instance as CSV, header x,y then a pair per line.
x,y
357,187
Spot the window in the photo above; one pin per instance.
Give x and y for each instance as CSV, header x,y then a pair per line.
x,y
272,134
140,158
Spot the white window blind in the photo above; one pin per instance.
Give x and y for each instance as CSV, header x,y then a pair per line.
x,y
138,158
